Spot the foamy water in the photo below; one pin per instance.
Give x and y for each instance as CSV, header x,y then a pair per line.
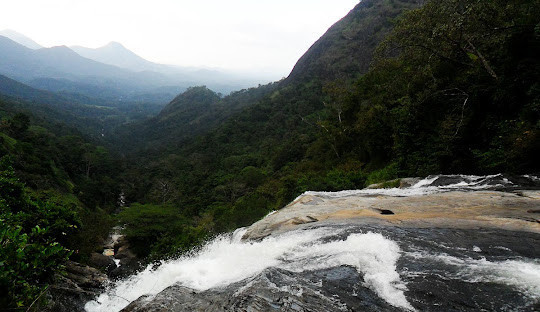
x,y
522,274
371,254
227,260
426,187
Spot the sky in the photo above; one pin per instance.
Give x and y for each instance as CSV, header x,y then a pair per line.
x,y
252,36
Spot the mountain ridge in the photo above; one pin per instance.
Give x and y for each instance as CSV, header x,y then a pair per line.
x,y
112,66
114,53
26,64
346,48
20,38
281,99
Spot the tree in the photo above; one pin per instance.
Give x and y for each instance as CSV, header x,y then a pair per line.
x,y
30,232
19,124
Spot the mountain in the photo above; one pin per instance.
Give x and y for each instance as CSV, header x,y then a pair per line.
x,y
60,69
55,108
16,89
272,141
114,69
344,118
94,117
60,62
346,49
220,80
116,54
192,113
20,38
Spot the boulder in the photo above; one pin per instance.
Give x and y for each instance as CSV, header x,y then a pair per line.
x,y
128,264
84,276
124,252
408,182
69,293
385,184
101,262
121,242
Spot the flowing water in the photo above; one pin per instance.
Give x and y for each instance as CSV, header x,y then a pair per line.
x,y
406,269
446,183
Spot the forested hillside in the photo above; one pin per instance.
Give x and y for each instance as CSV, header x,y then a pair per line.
x,y
192,113
461,94
452,88
262,157
96,117
346,49
57,190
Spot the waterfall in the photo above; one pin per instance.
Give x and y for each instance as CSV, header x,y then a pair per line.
x,y
227,259
375,255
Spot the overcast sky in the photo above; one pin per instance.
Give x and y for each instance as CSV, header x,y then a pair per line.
x,y
248,35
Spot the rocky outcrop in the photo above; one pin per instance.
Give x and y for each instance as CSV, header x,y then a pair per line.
x,y
272,290
84,276
459,209
345,288
82,283
128,261
451,245
69,293
401,183
102,262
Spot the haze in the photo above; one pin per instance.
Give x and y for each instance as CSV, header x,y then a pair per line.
x,y
259,37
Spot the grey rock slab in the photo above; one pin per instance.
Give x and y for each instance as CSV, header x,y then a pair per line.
x,y
459,209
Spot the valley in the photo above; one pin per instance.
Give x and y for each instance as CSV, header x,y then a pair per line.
x,y
428,111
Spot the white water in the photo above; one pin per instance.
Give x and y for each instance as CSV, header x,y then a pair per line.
x,y
531,177
425,187
226,260
523,274
370,253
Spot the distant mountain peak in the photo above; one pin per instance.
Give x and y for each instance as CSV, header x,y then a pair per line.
x,y
60,47
20,39
115,53
114,44
64,50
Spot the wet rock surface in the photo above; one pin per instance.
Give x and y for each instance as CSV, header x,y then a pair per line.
x,y
430,246
85,276
273,290
102,262
432,284
69,293
82,283
128,262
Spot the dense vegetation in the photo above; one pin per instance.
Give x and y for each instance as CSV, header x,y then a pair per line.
x,y
194,112
33,234
462,95
449,87
96,116
56,193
